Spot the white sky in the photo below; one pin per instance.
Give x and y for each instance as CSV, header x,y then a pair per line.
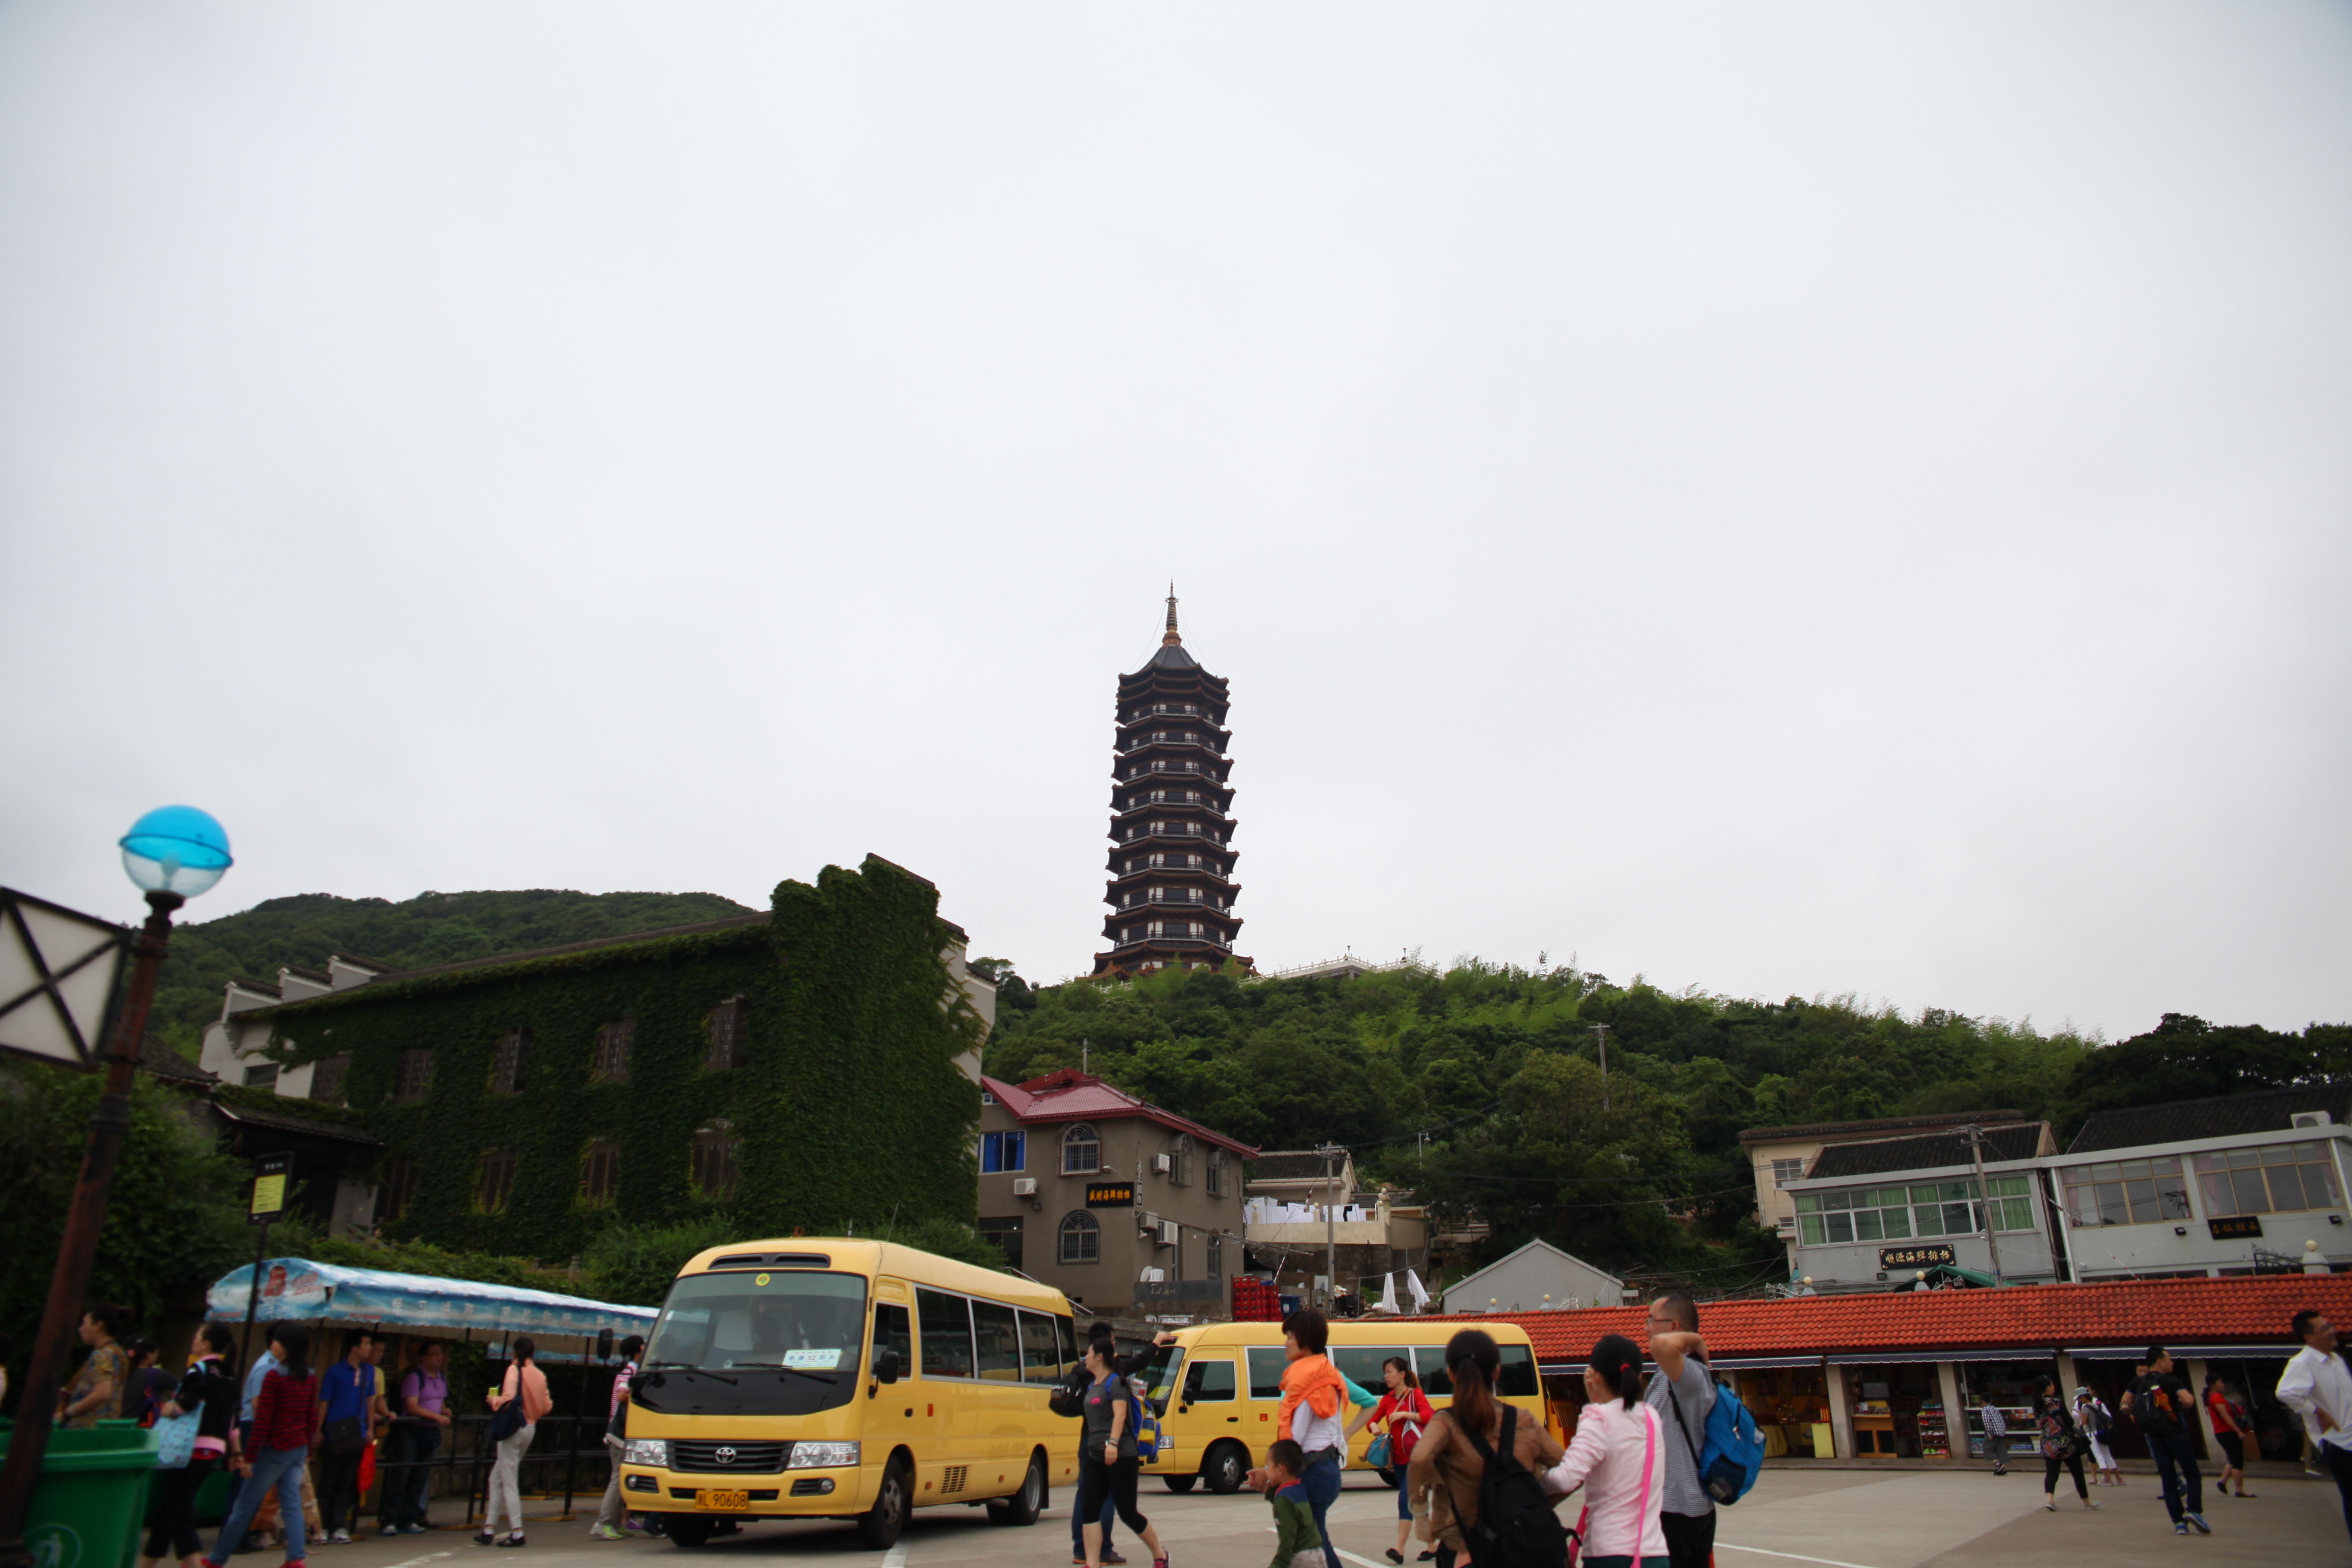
x,y
1792,499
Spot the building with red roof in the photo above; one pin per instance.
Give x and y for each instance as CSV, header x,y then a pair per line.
x,y
1904,1374
1121,1205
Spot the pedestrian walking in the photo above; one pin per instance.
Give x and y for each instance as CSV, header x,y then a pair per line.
x,y
1296,1542
1402,1415
524,1386
2094,1420
1619,1456
148,1386
2063,1442
2164,1406
95,1395
1312,1413
208,1389
1447,1466
2317,1386
421,1415
2232,1424
1996,1431
1074,1389
612,1516
263,1366
347,1392
1682,1390
284,1414
1109,1460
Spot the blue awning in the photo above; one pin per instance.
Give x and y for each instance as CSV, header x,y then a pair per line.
x,y
297,1290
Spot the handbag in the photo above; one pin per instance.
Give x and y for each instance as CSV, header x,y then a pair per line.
x,y
1376,1452
175,1439
507,1419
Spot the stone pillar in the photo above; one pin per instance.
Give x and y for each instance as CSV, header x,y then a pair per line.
x,y
1956,1410
2193,1373
1841,1413
2068,1383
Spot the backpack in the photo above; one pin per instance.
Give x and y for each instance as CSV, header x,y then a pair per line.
x,y
1145,1420
1069,1395
1517,1526
1734,1456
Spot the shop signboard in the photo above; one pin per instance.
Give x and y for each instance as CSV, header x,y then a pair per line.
x,y
2245,1224
1916,1256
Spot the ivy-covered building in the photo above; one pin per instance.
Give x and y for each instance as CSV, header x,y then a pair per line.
x,y
1172,888
816,1066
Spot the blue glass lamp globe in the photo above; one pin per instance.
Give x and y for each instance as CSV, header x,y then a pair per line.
x,y
176,849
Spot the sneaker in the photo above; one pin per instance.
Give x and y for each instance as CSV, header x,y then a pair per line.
x,y
606,1533
340,1538
1110,1559
634,1525
2199,1521
389,1530
412,1529
2181,1528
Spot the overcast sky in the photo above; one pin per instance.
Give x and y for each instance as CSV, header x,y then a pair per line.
x,y
1785,500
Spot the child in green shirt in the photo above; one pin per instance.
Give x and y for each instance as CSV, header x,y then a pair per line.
x,y
1296,1543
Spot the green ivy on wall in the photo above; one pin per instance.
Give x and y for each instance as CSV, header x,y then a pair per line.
x,y
848,1103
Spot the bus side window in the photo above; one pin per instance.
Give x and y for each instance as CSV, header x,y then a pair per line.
x,y
1209,1380
1266,1363
1429,1365
890,1333
1516,1376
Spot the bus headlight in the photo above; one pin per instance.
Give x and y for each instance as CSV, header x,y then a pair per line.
x,y
808,1455
649,1451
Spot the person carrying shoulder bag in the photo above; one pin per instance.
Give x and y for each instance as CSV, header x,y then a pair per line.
x,y
1452,1477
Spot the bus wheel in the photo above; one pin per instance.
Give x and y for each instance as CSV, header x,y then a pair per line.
x,y
686,1530
1023,1506
878,1526
1180,1485
1225,1468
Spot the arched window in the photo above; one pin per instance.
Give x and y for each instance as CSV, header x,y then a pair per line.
x,y
1081,1238
1081,1150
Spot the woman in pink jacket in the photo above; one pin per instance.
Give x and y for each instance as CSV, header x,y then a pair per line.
x,y
1619,1460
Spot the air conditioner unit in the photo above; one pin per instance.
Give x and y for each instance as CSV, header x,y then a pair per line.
x,y
1024,1187
1161,1164
2311,1119
1168,1232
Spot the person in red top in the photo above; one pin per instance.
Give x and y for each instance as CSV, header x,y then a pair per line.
x,y
1407,1411
2232,1423
282,1418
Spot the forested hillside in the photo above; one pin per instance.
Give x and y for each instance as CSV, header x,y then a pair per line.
x,y
431,928
1481,1088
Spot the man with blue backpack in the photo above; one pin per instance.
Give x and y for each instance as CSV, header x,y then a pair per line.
x,y
1721,1451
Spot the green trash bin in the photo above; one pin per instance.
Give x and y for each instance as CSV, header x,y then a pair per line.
x,y
91,1502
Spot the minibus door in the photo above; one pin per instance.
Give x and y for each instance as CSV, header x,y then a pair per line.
x,y
1267,1365
1208,1409
901,1413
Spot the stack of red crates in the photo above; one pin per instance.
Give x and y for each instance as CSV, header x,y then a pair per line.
x,y
1255,1301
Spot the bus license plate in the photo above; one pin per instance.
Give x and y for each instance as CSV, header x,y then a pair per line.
x,y
726,1502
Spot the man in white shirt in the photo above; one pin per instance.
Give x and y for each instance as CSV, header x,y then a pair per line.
x,y
2318,1386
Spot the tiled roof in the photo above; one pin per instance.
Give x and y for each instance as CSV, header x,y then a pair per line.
x,y
2255,1310
1070,1095
1884,1126
1930,1153
279,1121
1288,1165
161,1060
2227,1116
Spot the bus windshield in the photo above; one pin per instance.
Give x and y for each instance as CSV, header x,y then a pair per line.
x,y
780,1343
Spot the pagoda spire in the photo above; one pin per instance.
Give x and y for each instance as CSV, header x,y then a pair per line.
x,y
1173,638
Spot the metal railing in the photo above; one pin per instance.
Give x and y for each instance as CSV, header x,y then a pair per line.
x,y
466,1446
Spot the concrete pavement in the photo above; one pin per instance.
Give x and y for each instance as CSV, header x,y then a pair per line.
x,y
1831,1519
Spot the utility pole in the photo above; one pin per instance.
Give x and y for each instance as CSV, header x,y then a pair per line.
x,y
1330,1153
1975,1135
1600,1033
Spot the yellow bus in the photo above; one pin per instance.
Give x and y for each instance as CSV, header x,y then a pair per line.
x,y
1219,1386
817,1377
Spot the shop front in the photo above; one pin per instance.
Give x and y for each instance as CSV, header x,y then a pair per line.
x,y
1789,1399
2007,1386
1896,1408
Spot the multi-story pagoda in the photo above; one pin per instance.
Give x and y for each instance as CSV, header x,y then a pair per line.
x,y
1171,886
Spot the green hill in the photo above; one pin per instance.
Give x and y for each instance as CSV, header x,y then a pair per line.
x,y
431,928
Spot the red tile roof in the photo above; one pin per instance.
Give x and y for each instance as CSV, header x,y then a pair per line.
x,y
2253,1311
1070,1095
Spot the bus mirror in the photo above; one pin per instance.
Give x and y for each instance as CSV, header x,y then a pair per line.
x,y
886,1367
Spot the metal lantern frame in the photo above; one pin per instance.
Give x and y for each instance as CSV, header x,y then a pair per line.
x,y
52,995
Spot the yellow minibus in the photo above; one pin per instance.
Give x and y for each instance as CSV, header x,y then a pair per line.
x,y
820,1377
1219,1386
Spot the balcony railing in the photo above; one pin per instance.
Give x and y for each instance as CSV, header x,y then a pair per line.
x,y
1209,871
1208,802
1174,769
1172,830
1152,899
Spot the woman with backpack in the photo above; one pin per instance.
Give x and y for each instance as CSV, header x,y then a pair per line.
x,y
2092,1418
1619,1458
1109,1459
1405,1412
1451,1460
2062,1443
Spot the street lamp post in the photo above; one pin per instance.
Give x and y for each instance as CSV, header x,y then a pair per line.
x,y
172,853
